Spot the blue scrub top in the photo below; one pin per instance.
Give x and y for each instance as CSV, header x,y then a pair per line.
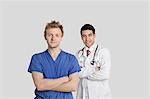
x,y
64,65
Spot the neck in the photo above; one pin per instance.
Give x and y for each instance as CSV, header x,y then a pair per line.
x,y
91,45
54,51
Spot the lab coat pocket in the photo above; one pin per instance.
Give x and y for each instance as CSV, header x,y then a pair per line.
x,y
94,90
104,89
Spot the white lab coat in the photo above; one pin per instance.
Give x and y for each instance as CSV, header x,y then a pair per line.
x,y
94,83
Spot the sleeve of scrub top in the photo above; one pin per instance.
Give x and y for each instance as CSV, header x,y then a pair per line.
x,y
35,64
74,67
104,71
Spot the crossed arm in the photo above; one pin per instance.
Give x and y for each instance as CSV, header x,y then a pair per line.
x,y
63,84
94,73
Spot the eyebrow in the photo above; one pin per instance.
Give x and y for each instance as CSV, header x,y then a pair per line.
x,y
88,34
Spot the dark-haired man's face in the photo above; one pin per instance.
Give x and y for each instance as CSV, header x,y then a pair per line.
x,y
88,37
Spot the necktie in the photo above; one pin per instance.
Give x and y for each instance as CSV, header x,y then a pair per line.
x,y
88,53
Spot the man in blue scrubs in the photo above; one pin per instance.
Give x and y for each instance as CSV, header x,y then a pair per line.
x,y
54,71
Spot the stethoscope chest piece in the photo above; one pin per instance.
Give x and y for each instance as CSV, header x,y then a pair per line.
x,y
92,62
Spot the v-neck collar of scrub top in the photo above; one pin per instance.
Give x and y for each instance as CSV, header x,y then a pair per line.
x,y
57,58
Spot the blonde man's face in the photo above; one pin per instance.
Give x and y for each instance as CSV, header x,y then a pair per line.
x,y
53,37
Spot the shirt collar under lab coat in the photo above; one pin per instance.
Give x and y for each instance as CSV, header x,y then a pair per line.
x,y
91,49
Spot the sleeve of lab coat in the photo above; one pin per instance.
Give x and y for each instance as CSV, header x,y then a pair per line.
x,y
104,71
86,71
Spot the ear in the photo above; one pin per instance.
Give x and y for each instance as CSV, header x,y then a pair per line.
x,y
45,36
81,37
94,35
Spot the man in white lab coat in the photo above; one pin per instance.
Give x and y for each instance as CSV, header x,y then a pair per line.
x,y
95,65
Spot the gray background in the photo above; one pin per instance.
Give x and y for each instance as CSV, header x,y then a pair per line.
x,y
120,26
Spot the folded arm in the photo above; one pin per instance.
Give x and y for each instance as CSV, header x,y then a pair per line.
x,y
71,85
95,73
104,71
42,83
86,71
101,74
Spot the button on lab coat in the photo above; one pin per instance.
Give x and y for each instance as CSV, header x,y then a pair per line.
x,y
94,83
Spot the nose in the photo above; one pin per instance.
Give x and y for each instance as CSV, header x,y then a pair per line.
x,y
87,38
53,37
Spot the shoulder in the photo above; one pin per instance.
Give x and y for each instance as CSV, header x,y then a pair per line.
x,y
104,51
68,54
39,54
80,52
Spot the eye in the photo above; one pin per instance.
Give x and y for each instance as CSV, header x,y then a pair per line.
x,y
83,36
90,35
49,35
57,35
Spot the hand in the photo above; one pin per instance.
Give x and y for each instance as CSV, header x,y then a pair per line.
x,y
98,65
65,79
97,68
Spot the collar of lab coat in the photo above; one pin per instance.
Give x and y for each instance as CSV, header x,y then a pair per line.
x,y
91,49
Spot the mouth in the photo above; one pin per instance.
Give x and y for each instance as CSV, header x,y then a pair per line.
x,y
87,42
52,42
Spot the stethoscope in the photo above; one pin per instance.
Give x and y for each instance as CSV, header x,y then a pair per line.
x,y
93,60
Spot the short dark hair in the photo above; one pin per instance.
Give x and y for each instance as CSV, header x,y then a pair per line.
x,y
87,27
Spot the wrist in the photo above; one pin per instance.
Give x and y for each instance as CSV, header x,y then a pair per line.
x,y
65,79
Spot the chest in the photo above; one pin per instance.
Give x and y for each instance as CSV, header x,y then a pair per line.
x,y
55,69
85,61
